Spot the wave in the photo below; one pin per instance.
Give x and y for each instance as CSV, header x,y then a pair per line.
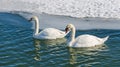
x,y
73,8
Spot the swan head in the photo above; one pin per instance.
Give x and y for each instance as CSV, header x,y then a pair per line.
x,y
69,27
33,18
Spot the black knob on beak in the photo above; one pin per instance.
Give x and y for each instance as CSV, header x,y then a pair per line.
x,y
30,20
66,30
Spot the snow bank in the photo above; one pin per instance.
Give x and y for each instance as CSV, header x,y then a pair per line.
x,y
74,8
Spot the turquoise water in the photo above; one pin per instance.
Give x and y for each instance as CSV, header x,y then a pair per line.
x,y
19,49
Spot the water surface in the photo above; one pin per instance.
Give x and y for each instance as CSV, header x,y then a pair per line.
x,y
20,49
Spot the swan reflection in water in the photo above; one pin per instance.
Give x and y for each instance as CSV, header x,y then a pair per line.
x,y
44,43
85,55
37,48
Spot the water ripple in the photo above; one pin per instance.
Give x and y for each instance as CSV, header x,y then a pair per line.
x,y
20,49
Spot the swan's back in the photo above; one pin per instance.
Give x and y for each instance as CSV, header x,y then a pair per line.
x,y
88,41
50,33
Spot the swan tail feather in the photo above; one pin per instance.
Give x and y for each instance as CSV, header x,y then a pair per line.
x,y
105,39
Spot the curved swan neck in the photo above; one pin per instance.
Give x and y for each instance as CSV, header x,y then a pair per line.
x,y
73,33
36,26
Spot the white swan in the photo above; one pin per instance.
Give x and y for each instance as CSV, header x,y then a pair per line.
x,y
48,33
83,40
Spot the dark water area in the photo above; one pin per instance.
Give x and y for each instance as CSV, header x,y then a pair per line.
x,y
14,19
18,48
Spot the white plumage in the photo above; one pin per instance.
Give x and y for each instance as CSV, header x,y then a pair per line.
x,y
48,33
85,40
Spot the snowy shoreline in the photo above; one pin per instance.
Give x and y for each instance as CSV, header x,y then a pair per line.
x,y
60,22
73,8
